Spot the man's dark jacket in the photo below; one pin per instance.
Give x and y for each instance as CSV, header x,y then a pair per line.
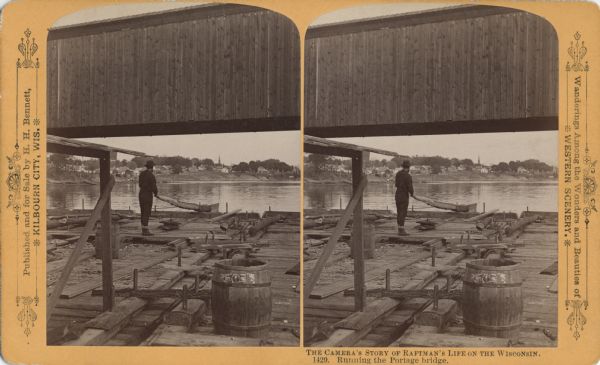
x,y
148,188
147,183
404,185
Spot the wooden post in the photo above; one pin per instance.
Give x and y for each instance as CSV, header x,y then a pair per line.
x,y
184,296
388,285
358,164
484,207
107,266
226,207
369,241
135,279
82,204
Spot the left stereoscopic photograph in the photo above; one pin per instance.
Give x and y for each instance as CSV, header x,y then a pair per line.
x,y
173,181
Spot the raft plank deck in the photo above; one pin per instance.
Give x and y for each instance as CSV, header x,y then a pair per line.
x,y
536,249
280,249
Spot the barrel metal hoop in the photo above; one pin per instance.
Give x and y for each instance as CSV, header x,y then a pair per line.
x,y
241,285
492,327
492,285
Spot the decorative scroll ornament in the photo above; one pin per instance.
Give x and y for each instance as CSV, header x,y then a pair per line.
x,y
27,315
577,52
576,320
13,180
27,48
589,188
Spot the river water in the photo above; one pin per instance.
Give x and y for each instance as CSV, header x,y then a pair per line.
x,y
251,196
505,196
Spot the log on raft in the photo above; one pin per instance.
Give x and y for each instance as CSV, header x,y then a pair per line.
x,y
447,206
519,225
482,216
79,220
332,220
189,206
263,224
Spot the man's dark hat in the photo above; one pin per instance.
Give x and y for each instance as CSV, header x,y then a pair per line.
x,y
150,164
405,163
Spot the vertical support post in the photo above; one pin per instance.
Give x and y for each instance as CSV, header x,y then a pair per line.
x,y
358,164
135,279
388,285
484,207
107,266
184,297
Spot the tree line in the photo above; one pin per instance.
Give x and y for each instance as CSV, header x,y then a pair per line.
x,y
319,162
66,163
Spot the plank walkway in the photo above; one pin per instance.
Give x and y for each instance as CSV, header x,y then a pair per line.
x,y
279,249
536,248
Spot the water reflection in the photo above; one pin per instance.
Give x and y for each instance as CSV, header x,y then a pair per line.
x,y
251,196
505,196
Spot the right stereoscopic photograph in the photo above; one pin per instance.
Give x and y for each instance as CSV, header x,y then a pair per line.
x,y
430,177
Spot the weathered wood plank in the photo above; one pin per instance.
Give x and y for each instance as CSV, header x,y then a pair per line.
x,y
427,336
87,230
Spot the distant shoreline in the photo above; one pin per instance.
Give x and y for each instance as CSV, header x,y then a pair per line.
x,y
439,179
208,177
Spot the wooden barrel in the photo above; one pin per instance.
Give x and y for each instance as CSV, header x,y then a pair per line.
x,y
241,298
492,301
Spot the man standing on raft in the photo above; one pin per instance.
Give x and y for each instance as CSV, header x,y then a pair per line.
x,y
404,187
147,183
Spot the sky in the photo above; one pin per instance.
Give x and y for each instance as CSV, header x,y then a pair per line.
x,y
231,147
490,147
370,11
365,11
118,11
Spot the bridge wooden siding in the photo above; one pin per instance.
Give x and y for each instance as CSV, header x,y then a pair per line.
x,y
219,68
459,70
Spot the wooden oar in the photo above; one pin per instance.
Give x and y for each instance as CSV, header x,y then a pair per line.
x,y
185,205
441,205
